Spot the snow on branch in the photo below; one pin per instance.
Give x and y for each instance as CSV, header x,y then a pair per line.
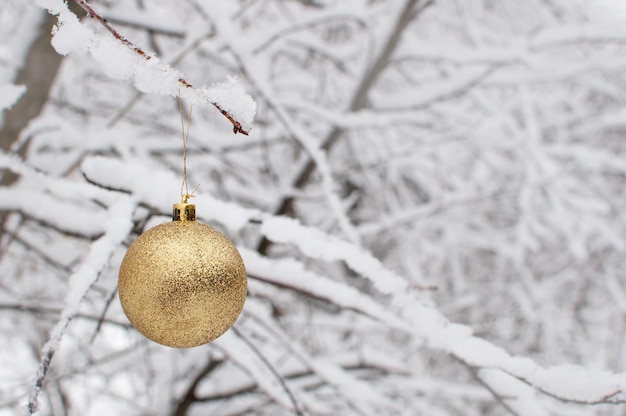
x,y
319,245
47,209
117,226
565,382
281,273
405,310
10,94
120,58
132,176
50,199
62,187
53,198
568,383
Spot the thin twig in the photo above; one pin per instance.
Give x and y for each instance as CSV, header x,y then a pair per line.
x,y
494,393
613,397
44,256
56,311
190,396
269,365
92,13
175,61
102,315
249,386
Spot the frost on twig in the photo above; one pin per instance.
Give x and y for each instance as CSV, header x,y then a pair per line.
x,y
120,58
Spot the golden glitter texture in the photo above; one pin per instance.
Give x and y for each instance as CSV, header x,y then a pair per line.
x,y
182,284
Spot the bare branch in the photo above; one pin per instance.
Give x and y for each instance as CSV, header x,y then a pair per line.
x,y
190,395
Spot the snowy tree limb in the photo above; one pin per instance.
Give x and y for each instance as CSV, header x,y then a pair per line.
x,y
117,228
148,73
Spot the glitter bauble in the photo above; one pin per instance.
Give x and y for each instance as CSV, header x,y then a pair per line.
x,y
182,284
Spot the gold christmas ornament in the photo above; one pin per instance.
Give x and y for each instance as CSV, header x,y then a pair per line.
x,y
182,283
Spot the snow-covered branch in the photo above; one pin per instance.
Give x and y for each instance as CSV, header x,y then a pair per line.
x,y
117,226
122,59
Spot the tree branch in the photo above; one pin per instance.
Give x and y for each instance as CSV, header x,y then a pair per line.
x,y
474,372
57,311
237,127
190,395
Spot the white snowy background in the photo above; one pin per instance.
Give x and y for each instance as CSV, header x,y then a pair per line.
x,y
429,204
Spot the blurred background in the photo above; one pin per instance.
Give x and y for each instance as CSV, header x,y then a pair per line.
x,y
474,147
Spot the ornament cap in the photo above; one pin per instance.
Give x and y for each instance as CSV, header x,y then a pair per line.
x,y
184,211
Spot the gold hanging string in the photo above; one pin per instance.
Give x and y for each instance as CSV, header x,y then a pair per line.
x,y
184,189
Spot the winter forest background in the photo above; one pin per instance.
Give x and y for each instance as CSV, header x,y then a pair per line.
x,y
429,204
